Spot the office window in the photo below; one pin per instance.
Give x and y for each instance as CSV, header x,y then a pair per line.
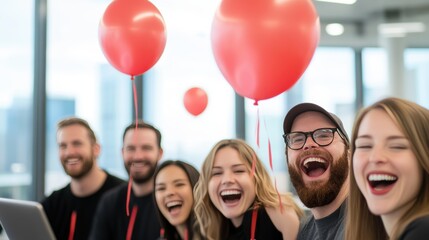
x,y
188,62
80,82
16,97
375,74
417,74
329,81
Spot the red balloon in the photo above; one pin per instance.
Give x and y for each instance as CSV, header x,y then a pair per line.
x,y
195,101
132,35
262,47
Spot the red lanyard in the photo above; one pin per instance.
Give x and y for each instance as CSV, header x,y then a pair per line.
x,y
131,224
72,225
253,226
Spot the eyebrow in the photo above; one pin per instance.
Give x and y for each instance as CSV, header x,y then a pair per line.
x,y
233,166
174,181
388,138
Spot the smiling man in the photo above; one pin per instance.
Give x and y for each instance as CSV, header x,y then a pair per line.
x,y
130,212
317,153
71,210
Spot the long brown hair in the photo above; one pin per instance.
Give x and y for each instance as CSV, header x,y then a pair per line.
x,y
413,121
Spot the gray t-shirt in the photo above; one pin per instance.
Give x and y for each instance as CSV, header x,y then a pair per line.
x,y
327,228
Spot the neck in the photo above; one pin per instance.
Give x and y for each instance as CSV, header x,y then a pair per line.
x,y
390,220
142,189
237,221
89,183
181,230
326,210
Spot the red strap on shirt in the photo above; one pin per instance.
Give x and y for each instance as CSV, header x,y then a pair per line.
x,y
72,225
131,224
186,234
253,226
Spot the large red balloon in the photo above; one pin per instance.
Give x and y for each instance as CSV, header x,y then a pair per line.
x,y
132,35
262,47
195,101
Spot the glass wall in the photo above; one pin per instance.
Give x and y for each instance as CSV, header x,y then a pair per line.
x,y
80,82
16,97
416,73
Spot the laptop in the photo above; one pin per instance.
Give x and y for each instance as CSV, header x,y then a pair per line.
x,y
24,220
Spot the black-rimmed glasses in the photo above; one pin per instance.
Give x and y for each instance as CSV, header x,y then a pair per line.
x,y
322,136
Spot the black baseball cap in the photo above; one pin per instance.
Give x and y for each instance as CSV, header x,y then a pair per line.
x,y
307,107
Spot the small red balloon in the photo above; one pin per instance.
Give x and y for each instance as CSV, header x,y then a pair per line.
x,y
132,35
262,47
195,101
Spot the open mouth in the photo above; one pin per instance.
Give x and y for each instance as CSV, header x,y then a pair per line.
x,y
139,164
231,196
314,167
174,205
72,161
381,181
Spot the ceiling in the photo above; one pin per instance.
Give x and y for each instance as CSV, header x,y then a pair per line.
x,y
361,20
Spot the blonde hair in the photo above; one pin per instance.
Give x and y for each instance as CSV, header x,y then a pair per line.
x,y
413,121
212,223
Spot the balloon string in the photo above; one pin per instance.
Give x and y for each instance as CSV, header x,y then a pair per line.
x,y
257,143
270,157
135,98
135,108
127,202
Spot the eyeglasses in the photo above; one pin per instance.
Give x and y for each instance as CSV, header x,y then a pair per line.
x,y
322,136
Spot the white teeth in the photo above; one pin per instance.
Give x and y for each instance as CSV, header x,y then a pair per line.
x,y
230,192
174,203
308,160
138,164
381,177
72,160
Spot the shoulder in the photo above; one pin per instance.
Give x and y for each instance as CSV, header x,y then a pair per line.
x,y
113,181
417,229
115,194
285,220
58,195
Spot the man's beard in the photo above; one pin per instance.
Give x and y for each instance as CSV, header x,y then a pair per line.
x,y
318,194
87,164
140,178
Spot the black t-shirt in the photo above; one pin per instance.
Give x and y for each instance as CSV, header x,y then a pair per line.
x,y
111,220
417,230
61,203
330,227
265,228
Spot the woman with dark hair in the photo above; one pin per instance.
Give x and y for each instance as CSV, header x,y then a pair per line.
x,y
174,183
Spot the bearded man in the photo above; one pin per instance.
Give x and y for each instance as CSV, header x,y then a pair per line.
x,y
71,210
130,212
317,154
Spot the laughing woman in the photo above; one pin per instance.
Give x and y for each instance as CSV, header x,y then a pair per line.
x,y
234,202
389,184
174,183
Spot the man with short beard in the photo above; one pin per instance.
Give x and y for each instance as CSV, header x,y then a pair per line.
x,y
317,153
71,209
130,212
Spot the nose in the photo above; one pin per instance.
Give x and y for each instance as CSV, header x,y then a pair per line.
x,y
138,154
377,155
227,177
309,143
67,151
169,192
